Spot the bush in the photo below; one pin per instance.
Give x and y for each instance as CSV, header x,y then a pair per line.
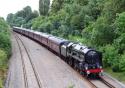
x,y
3,59
112,59
100,33
1,84
5,49
122,62
119,22
5,43
110,54
119,43
119,64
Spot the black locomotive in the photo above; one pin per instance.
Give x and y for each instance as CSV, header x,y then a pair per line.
x,y
84,59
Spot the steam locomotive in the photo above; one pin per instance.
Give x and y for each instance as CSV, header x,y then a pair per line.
x,y
82,58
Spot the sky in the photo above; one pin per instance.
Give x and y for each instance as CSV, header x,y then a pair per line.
x,y
12,6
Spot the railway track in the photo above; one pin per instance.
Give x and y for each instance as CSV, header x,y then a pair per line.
x,y
8,80
90,83
100,83
23,64
20,42
107,83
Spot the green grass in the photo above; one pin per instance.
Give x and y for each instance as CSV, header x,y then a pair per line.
x,y
1,83
2,77
71,86
118,75
3,67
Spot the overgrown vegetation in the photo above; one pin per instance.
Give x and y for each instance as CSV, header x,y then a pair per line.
x,y
44,7
5,49
96,23
119,75
22,18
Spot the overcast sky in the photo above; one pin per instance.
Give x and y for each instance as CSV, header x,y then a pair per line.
x,y
12,6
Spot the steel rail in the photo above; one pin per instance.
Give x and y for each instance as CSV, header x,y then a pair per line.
x,y
107,83
23,64
32,64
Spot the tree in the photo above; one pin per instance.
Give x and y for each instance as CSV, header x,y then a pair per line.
x,y
5,47
27,13
35,14
22,17
4,36
10,19
100,32
44,6
57,5
20,13
120,23
120,30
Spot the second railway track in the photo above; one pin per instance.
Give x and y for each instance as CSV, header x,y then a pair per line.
x,y
22,45
100,83
107,83
23,64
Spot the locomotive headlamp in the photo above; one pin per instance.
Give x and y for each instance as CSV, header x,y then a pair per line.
x,y
86,67
88,72
101,71
100,66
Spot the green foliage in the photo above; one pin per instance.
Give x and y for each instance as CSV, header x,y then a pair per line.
x,y
3,26
5,49
122,62
44,7
1,84
110,54
5,42
120,43
71,17
10,18
111,8
118,75
57,5
3,59
72,86
27,13
22,17
119,22
18,21
112,58
5,37
99,32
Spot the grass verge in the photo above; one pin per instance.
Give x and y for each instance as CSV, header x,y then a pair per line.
x,y
3,67
118,75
